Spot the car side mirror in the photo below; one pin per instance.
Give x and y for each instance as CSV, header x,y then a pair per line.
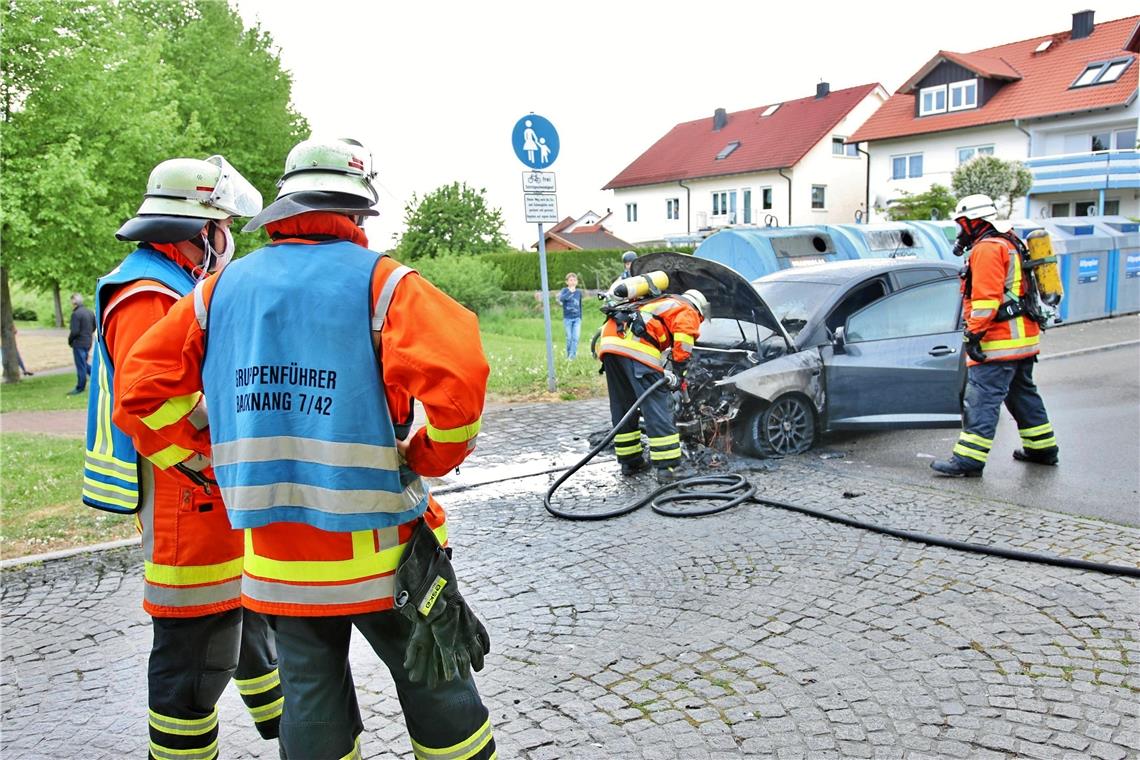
x,y
838,341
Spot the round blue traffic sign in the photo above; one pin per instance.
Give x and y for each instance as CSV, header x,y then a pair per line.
x,y
535,141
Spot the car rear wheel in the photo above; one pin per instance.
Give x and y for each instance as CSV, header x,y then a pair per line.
x,y
782,428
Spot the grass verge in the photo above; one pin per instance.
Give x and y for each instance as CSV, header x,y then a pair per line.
x,y
40,510
41,394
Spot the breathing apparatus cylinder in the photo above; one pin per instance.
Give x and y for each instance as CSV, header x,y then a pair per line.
x,y
639,286
1047,273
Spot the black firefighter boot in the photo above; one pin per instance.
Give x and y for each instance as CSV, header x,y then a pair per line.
x,y
1045,456
952,468
630,467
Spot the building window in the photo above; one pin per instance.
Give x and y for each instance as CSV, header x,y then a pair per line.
x,y
724,204
631,212
903,167
932,100
1111,208
766,198
839,149
819,196
1125,138
1058,209
963,95
1101,141
672,208
965,154
748,206
1101,72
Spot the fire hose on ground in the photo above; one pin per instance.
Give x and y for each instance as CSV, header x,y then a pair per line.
x,y
730,490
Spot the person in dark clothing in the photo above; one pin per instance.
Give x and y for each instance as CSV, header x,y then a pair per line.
x,y
79,338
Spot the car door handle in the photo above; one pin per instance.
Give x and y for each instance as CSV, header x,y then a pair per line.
x,y
942,351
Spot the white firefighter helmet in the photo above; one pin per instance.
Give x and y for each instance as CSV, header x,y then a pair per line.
x,y
182,194
698,300
980,206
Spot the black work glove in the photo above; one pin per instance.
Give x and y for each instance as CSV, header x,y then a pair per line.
x,y
972,343
447,640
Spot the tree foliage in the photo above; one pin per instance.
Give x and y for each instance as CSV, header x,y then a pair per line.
x,y
451,220
1004,181
936,203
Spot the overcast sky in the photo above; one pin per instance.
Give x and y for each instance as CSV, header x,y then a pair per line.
x,y
434,88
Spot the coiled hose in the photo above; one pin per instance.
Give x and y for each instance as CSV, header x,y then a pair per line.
x,y
729,490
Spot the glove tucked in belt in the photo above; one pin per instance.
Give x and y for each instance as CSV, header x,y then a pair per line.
x,y
447,639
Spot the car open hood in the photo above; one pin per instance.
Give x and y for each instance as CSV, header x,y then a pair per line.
x,y
730,295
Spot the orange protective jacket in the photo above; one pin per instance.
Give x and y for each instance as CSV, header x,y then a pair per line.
x,y
670,321
993,276
432,353
192,558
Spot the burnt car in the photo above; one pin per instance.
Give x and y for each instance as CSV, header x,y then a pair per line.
x,y
849,345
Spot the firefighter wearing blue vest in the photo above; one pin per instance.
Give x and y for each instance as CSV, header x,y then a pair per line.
x,y
192,557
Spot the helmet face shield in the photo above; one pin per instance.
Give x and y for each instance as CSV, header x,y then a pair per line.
x,y
232,192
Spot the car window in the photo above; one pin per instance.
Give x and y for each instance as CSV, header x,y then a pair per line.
x,y
904,278
861,295
921,310
793,301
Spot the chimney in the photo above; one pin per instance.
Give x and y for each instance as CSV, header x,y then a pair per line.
x,y
821,90
720,118
1082,24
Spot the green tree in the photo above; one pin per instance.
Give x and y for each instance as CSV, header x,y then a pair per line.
x,y
453,219
938,199
1004,181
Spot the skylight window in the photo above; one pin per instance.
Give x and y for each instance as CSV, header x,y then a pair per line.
x,y
727,150
1043,46
1102,72
770,110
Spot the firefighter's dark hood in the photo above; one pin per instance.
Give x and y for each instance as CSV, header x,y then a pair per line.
x,y
730,295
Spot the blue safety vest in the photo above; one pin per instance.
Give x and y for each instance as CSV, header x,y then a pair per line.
x,y
299,425
111,467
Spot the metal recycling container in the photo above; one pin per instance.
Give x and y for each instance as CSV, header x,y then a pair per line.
x,y
1083,254
1123,263
891,240
757,251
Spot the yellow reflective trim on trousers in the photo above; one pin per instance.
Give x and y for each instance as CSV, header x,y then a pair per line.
x,y
172,411
984,303
626,437
183,726
658,456
469,747
971,438
665,440
267,712
365,562
1039,430
1044,443
1030,340
623,450
461,434
192,575
250,686
631,343
354,754
966,451
169,456
202,753
683,338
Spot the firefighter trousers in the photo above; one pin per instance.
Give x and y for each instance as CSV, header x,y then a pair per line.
x,y
626,379
191,661
322,717
987,386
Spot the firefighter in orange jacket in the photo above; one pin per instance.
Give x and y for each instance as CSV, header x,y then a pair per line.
x,y
317,349
192,558
634,353
1001,345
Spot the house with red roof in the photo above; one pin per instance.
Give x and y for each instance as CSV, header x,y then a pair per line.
x,y
782,163
586,233
1065,104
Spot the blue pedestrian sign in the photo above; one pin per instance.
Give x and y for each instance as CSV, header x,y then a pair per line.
x,y
535,141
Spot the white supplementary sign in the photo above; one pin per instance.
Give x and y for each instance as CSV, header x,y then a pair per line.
x,y
538,182
541,207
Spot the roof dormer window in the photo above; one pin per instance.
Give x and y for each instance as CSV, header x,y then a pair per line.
x,y
932,100
727,150
1102,72
963,95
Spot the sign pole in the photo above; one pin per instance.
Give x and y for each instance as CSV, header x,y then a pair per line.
x,y
550,386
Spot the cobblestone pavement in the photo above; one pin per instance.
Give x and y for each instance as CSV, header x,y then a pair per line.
x,y
756,632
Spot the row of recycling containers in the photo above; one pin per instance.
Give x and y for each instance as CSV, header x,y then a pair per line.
x,y
1099,256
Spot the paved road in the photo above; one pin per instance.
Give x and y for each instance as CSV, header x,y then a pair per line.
x,y
1094,404
752,633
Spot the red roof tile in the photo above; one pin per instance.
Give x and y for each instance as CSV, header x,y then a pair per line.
x,y
778,141
1042,90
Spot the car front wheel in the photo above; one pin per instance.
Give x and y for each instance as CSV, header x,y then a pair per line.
x,y
782,428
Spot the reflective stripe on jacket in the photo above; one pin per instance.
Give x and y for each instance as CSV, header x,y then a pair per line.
x,y
670,323
995,275
300,430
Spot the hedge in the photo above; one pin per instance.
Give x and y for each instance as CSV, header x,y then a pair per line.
x,y
596,269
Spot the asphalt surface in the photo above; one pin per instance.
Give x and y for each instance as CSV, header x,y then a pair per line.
x,y
1093,401
756,632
